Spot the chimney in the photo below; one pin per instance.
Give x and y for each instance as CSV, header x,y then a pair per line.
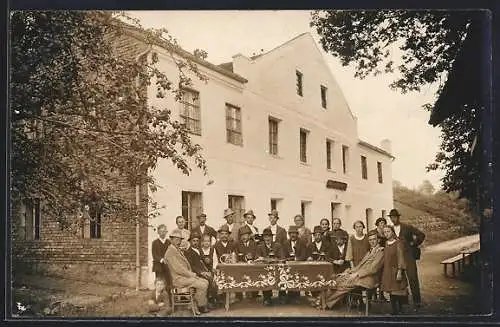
x,y
241,64
386,145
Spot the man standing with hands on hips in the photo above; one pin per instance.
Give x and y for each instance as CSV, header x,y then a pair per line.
x,y
411,239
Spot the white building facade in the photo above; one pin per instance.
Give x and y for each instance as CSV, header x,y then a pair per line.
x,y
276,132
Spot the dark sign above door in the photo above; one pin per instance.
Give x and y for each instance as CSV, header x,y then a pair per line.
x,y
336,185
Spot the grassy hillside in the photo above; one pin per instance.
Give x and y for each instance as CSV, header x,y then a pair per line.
x,y
441,216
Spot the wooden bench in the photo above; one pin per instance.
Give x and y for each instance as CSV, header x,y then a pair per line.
x,y
459,259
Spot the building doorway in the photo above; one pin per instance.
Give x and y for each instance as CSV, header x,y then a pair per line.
x,y
369,218
335,208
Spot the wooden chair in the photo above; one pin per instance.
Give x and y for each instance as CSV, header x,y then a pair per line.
x,y
181,296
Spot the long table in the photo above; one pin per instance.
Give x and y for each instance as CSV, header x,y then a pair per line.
x,y
288,276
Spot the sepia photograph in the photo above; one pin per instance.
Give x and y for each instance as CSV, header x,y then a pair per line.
x,y
250,163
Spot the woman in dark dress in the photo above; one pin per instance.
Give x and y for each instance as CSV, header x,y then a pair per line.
x,y
380,223
393,275
358,245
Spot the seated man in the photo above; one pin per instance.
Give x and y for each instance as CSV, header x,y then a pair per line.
x,y
159,301
295,249
270,250
246,251
181,272
194,256
366,274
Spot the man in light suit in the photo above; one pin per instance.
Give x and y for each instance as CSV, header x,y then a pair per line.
x,y
279,233
181,272
366,274
411,238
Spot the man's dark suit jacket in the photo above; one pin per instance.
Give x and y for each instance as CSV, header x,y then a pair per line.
x,y
410,245
196,262
338,255
251,248
158,250
281,235
263,251
325,247
208,231
301,250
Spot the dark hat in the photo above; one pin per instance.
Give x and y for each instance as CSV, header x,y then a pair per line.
x,y
201,215
267,232
244,230
293,229
228,212
373,232
317,229
380,220
394,212
273,212
249,212
194,235
224,228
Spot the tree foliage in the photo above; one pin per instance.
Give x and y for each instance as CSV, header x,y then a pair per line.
x,y
426,188
428,43
82,130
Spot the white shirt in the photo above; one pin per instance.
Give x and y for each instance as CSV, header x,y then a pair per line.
x,y
202,229
163,240
252,227
359,238
230,226
391,242
224,243
196,250
397,229
341,247
215,261
292,243
273,229
318,245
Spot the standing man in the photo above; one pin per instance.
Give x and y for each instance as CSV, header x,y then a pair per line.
x,y
232,226
279,233
270,249
249,219
182,274
204,229
411,239
159,247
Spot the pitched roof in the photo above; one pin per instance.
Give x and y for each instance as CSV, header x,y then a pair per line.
x,y
141,35
227,66
375,148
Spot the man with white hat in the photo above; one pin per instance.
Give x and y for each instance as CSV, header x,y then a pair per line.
x,y
181,272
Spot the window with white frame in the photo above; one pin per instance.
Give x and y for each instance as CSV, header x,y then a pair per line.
x,y
190,110
273,136
233,125
192,206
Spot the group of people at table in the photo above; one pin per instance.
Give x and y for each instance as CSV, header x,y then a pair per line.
x,y
385,257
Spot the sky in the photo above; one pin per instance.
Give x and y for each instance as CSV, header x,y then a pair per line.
x,y
382,113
